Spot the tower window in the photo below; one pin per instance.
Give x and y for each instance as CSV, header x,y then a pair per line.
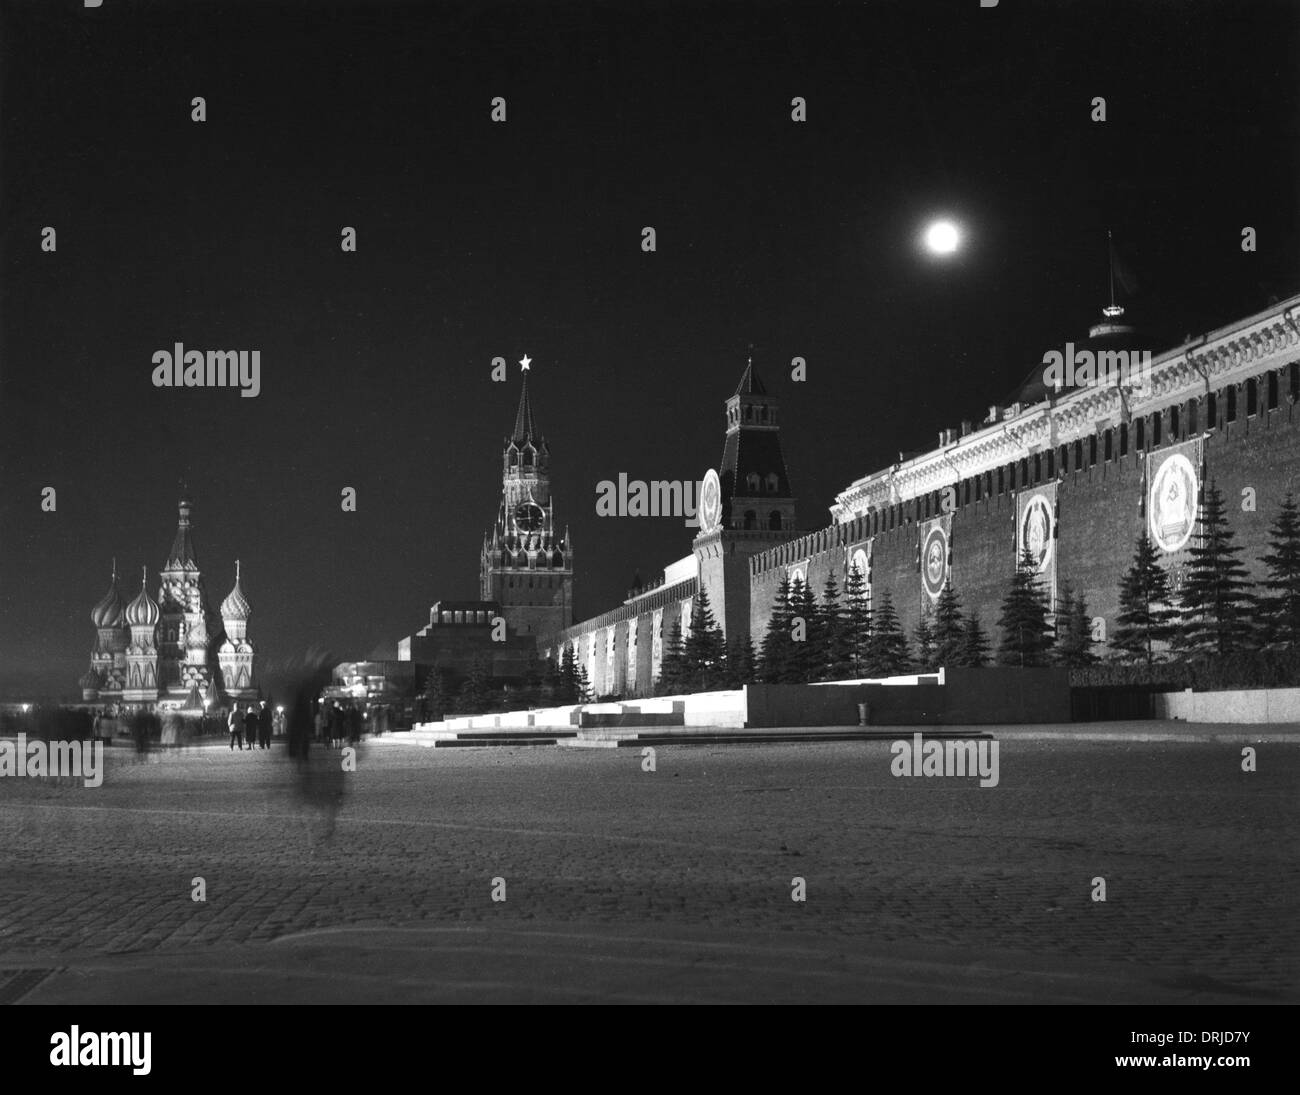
x,y
1156,419
1141,440
772,484
1078,456
752,482
762,414
1231,414
1173,423
1092,450
1252,397
751,519
1191,416
1271,395
1294,370
1212,411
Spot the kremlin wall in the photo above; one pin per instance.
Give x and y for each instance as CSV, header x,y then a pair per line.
x,y
1073,475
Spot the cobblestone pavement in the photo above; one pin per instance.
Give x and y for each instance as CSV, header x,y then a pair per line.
x,y
1199,859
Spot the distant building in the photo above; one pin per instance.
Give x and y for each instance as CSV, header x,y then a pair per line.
x,y
171,651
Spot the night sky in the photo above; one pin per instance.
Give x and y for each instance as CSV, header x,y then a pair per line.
x,y
478,239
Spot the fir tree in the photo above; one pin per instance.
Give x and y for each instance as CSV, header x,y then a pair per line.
x,y
806,656
567,691
434,697
778,648
1145,613
1073,631
705,650
740,667
583,685
837,647
949,635
673,666
475,693
1215,599
1026,631
1279,605
923,636
975,644
887,654
857,617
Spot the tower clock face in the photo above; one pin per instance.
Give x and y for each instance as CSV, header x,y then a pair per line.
x,y
529,516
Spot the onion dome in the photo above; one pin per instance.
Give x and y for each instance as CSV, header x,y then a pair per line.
x,y
236,606
143,611
91,679
108,613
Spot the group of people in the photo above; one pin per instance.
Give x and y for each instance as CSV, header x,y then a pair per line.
x,y
336,724
254,725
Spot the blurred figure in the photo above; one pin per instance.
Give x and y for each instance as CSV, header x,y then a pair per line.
x,y
320,723
335,725
236,727
264,726
251,725
354,724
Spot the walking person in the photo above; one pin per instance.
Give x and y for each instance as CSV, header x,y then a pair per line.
x,y
236,727
335,725
319,722
251,722
264,725
354,724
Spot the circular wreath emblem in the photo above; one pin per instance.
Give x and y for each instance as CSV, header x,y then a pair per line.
x,y
859,563
710,501
934,560
1172,509
1036,531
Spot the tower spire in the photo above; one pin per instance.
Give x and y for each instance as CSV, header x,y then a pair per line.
x,y
1112,310
524,428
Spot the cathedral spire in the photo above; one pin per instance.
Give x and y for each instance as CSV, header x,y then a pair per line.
x,y
182,552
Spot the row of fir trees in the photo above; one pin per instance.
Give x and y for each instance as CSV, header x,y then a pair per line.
x,y
843,635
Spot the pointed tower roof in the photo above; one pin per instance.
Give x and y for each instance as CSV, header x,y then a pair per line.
x,y
524,428
749,383
182,552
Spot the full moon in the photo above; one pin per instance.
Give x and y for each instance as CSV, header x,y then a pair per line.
x,y
942,238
